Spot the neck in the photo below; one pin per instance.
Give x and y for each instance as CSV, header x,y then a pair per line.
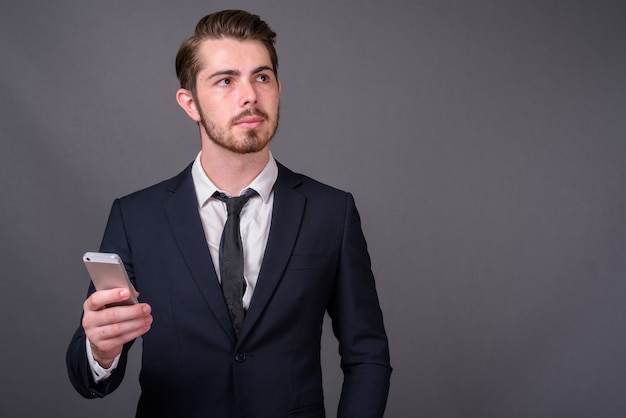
x,y
229,171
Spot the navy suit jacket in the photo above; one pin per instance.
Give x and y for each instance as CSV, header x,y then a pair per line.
x,y
316,261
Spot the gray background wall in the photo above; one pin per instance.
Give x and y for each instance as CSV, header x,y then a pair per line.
x,y
484,142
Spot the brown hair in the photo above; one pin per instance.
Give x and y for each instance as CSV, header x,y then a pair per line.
x,y
236,24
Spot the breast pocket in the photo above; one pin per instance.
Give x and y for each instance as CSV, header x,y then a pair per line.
x,y
308,262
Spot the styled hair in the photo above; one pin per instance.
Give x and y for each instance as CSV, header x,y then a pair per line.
x,y
234,24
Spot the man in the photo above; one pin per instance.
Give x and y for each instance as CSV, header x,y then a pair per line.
x,y
253,350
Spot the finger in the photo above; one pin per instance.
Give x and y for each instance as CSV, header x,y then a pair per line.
x,y
99,299
115,315
108,336
110,346
114,332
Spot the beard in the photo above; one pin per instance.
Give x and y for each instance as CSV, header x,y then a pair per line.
x,y
250,141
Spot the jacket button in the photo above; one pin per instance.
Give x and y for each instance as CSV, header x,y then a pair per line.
x,y
240,357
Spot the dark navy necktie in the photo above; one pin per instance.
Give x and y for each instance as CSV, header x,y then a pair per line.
x,y
231,257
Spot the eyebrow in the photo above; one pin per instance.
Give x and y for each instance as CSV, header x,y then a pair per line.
x,y
262,68
224,72
237,73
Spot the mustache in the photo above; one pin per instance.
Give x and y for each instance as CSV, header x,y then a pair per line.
x,y
249,112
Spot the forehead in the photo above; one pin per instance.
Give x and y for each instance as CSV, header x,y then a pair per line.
x,y
227,53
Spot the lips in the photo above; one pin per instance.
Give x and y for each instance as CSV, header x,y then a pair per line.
x,y
249,119
249,122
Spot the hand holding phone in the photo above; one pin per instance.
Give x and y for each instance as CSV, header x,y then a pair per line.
x,y
108,331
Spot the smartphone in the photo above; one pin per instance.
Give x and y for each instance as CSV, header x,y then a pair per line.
x,y
107,272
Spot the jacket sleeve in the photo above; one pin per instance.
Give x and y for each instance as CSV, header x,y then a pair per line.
x,y
76,360
79,370
358,325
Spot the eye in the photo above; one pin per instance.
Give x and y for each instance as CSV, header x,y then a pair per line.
x,y
224,82
263,78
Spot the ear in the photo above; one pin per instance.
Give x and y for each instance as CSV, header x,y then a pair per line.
x,y
280,87
186,101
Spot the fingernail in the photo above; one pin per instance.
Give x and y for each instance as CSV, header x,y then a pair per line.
x,y
124,293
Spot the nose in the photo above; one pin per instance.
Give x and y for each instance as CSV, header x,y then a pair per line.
x,y
247,94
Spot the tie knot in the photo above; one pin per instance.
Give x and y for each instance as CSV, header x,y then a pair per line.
x,y
235,204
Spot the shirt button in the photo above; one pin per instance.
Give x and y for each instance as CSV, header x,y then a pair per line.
x,y
240,357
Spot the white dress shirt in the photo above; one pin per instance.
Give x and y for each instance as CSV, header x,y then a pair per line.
x,y
255,220
254,225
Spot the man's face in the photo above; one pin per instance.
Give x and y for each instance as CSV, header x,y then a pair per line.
x,y
237,95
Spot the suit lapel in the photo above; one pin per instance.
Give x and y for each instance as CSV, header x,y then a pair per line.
x,y
286,218
181,208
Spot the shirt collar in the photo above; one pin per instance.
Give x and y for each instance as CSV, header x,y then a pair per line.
x,y
262,184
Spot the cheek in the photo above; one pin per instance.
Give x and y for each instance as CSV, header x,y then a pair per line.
x,y
269,93
216,111
271,102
